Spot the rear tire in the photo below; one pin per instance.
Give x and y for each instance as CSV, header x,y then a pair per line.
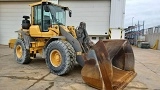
x,y
21,54
60,57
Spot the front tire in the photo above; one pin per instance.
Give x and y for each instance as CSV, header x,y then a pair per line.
x,y
60,57
21,54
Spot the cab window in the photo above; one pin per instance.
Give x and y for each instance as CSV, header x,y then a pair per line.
x,y
37,15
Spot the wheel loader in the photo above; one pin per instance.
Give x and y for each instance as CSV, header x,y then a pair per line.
x,y
107,65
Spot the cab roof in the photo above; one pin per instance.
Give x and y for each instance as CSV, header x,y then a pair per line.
x,y
46,1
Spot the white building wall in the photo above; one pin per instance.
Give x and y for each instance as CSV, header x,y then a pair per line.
x,y
54,1
117,18
99,15
11,14
95,13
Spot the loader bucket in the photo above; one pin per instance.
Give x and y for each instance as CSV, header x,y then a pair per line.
x,y
109,65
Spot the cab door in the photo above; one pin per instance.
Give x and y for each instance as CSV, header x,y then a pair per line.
x,y
35,29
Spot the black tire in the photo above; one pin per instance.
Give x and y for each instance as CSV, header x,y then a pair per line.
x,y
68,57
25,57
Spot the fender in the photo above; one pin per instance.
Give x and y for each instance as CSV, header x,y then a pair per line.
x,y
49,41
26,38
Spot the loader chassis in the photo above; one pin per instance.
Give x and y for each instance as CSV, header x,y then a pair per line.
x,y
47,35
108,64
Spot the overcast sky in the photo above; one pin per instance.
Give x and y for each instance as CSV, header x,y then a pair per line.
x,y
147,10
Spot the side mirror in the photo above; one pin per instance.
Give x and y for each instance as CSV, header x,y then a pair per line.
x,y
70,13
46,8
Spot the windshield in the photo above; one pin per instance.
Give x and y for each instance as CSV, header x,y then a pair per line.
x,y
58,15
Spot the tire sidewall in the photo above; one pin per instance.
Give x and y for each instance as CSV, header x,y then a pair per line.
x,y
22,59
61,48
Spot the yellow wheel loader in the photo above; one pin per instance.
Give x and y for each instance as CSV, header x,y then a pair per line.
x,y
107,65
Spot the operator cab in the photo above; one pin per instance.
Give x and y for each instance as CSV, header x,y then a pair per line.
x,y
46,14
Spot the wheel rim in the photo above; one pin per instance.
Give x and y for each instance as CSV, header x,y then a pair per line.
x,y
19,51
55,58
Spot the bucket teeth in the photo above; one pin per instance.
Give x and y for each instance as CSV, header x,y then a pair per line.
x,y
109,65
